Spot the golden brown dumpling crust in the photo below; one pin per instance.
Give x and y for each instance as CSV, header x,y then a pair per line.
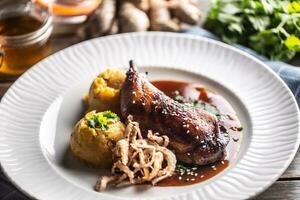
x,y
94,145
104,93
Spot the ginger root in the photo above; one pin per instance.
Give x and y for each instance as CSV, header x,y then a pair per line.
x,y
186,12
114,27
105,15
132,19
160,17
141,4
119,16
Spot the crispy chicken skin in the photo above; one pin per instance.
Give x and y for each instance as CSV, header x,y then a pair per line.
x,y
194,134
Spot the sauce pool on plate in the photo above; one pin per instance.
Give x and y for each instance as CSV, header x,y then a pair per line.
x,y
201,97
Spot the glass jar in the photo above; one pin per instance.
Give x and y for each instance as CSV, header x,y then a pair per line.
x,y
69,11
69,16
25,29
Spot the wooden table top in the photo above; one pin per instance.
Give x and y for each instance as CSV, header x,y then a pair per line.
x,y
286,187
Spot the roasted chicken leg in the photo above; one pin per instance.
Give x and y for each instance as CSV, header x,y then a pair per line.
x,y
194,134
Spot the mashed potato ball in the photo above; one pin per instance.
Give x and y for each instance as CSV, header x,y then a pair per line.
x,y
104,92
95,136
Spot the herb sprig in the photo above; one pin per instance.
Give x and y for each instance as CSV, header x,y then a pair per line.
x,y
271,27
197,104
101,120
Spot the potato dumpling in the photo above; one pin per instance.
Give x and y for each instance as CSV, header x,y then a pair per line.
x,y
105,91
95,136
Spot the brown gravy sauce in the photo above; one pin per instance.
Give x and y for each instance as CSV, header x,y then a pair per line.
x,y
228,119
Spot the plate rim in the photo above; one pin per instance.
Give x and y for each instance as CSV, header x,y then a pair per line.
x,y
164,34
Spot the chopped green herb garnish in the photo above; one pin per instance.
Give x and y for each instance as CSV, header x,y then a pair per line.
x,y
92,122
198,104
185,170
100,120
207,107
110,115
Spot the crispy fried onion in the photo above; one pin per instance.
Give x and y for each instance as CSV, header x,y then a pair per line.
x,y
138,160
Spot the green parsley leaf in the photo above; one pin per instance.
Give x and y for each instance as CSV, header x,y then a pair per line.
x,y
293,7
271,27
101,120
293,43
92,121
110,115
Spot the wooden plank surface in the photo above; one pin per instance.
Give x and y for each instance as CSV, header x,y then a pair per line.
x,y
294,169
4,87
282,190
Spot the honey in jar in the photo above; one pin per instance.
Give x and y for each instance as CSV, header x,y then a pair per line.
x,y
24,38
68,15
70,7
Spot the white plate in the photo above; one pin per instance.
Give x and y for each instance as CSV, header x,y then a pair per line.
x,y
38,112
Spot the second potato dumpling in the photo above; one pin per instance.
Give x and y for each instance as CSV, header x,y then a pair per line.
x,y
105,90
